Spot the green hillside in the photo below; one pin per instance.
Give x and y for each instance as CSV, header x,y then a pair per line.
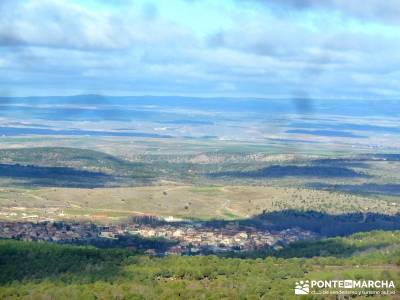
x,y
46,271
69,167
82,159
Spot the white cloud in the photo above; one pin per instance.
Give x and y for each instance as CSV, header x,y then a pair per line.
x,y
62,24
50,44
378,10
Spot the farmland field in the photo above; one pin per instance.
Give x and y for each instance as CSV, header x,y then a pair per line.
x,y
280,201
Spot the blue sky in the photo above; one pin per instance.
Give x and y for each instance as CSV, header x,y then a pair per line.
x,y
274,49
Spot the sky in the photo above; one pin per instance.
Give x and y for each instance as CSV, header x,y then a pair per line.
x,y
336,49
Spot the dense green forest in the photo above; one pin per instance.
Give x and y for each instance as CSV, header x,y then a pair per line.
x,y
50,271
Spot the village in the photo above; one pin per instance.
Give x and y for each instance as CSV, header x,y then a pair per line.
x,y
194,238
184,238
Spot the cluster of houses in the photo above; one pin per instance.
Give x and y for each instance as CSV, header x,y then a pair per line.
x,y
188,237
194,238
48,231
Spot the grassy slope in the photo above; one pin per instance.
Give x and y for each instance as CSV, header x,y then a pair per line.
x,y
366,177
82,159
189,201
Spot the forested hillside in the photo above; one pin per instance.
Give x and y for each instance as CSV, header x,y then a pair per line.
x,y
48,271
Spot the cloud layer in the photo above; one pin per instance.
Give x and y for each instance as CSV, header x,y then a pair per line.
x,y
287,48
384,11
